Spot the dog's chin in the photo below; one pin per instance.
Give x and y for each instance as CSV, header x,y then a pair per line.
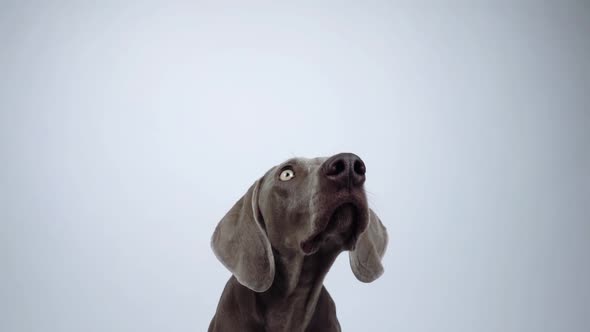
x,y
338,230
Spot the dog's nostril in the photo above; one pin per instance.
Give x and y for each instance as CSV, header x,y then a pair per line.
x,y
345,169
359,167
336,167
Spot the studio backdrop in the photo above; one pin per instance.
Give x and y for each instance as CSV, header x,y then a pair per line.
x,y
128,129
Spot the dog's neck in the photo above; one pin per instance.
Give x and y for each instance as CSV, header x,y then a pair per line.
x,y
290,303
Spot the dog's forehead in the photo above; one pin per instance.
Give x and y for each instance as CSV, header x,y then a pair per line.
x,y
308,163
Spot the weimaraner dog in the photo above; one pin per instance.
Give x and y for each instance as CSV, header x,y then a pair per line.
x,y
281,238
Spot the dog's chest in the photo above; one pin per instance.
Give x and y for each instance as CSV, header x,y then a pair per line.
x,y
292,313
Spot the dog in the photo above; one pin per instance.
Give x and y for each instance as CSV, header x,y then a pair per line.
x,y
280,239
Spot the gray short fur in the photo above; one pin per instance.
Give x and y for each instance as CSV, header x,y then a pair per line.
x,y
280,239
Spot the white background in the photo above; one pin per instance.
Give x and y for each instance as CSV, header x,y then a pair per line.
x,y
128,130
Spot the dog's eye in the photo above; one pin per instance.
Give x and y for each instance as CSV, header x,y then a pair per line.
x,y
287,175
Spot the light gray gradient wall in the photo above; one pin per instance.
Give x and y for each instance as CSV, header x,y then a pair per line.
x,y
127,130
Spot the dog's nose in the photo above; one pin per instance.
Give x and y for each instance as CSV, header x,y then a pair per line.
x,y
345,169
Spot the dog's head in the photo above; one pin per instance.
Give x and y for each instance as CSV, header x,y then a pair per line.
x,y
302,207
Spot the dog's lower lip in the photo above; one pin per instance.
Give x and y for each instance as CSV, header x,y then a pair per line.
x,y
310,245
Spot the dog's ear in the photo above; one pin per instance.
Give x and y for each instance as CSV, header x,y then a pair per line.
x,y
365,259
241,244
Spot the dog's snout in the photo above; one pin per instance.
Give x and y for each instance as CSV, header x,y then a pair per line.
x,y
345,169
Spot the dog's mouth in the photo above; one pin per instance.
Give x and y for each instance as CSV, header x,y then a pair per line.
x,y
340,227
